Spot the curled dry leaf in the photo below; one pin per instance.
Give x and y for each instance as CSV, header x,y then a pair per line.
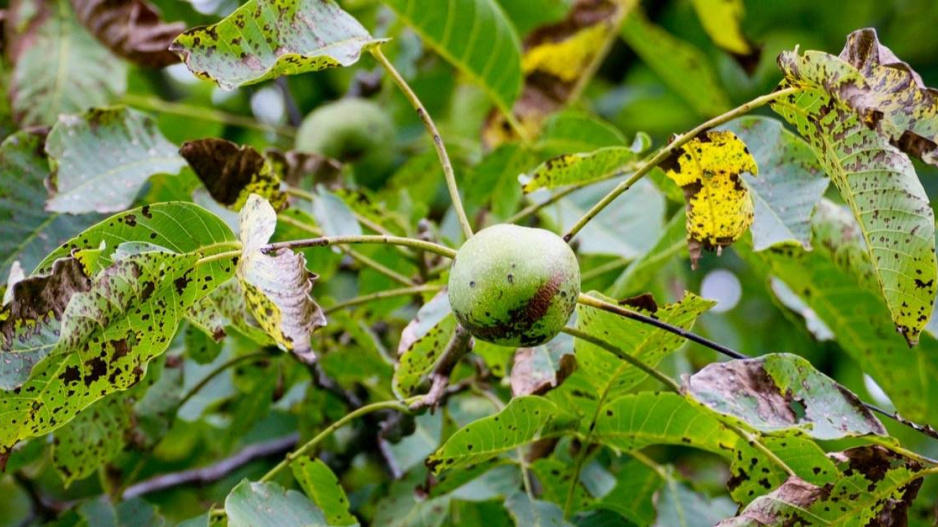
x,y
293,166
276,285
558,58
231,173
719,208
781,394
29,323
132,29
535,372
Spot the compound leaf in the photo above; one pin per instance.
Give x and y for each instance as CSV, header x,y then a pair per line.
x,y
876,180
321,485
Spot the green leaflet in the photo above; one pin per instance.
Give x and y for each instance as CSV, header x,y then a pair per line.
x,y
103,157
574,169
789,186
682,67
523,420
473,35
680,506
634,493
577,131
321,485
632,422
254,504
60,68
108,336
612,376
876,180
276,286
92,439
178,226
27,231
422,342
874,487
781,394
265,39
837,281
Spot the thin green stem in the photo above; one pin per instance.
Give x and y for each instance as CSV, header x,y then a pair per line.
x,y
650,463
366,222
596,341
156,104
534,207
389,293
218,371
355,255
309,445
885,443
434,134
325,241
218,256
665,152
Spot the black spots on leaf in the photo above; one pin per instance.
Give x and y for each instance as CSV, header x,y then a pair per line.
x,y
95,368
130,220
70,375
181,283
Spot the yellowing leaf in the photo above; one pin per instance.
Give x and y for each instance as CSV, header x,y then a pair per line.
x,y
719,207
559,59
276,285
566,59
721,20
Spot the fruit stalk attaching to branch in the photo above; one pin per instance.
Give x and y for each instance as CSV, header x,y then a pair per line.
x,y
666,151
434,134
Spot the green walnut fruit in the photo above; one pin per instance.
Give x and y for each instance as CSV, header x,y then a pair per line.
x,y
355,131
514,286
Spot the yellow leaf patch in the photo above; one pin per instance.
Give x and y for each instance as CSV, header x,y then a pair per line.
x,y
719,208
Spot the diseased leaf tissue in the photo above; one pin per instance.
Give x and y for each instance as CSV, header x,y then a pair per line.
x,y
205,319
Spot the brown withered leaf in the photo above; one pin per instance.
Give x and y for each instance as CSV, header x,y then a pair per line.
x,y
231,173
132,29
557,59
875,487
29,323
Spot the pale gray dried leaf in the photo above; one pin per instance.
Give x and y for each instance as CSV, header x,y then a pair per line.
x,y
781,394
276,285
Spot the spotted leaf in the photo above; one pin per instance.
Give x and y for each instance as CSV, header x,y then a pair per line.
x,y
103,157
781,394
422,343
232,173
276,285
264,39
108,336
574,169
719,207
875,487
875,178
523,420
322,486
29,323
